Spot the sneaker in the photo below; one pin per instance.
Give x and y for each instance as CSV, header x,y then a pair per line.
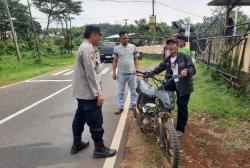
x,y
119,111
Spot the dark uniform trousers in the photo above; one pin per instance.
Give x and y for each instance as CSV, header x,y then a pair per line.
x,y
182,105
88,112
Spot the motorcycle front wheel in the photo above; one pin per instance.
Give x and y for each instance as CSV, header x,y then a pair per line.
x,y
138,109
170,151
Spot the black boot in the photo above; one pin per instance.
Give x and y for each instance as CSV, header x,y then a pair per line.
x,y
78,145
103,152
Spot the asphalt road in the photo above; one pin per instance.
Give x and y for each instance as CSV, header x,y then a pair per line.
x,y
35,123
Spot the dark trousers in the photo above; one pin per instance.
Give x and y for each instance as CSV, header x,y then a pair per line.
x,y
88,112
182,105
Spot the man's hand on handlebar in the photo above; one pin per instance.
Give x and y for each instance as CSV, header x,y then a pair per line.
x,y
184,73
149,74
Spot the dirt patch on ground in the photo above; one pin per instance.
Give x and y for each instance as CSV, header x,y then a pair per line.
x,y
201,147
141,150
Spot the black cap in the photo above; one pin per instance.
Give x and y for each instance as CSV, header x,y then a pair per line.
x,y
93,29
174,40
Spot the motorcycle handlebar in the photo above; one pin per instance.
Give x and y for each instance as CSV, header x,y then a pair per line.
x,y
140,72
168,75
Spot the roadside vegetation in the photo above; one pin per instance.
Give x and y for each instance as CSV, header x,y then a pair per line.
x,y
14,71
216,98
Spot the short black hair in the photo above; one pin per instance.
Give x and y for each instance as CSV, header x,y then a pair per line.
x,y
122,33
87,34
174,40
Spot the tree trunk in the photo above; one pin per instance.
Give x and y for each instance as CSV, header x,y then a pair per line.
x,y
34,33
4,32
12,30
70,32
64,35
67,34
47,28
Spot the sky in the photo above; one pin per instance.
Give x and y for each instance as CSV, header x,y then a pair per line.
x,y
96,11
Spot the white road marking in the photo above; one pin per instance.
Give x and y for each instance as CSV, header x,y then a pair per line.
x,y
31,106
110,162
58,73
26,80
37,81
68,73
105,71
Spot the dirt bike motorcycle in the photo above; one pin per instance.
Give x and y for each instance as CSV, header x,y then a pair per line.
x,y
153,114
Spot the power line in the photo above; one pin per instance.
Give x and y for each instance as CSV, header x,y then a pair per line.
x,y
177,9
157,10
124,1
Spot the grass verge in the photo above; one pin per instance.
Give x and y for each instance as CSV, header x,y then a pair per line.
x,y
150,61
12,71
216,98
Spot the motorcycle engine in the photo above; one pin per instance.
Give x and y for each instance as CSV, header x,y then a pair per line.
x,y
148,117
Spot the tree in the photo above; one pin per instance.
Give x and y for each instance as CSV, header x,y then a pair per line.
x,y
20,15
68,9
61,11
142,26
51,8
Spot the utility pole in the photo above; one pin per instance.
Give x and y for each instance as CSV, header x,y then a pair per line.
x,y
188,27
12,30
34,33
153,15
153,6
126,23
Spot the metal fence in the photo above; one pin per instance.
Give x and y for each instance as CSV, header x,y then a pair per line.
x,y
214,27
223,53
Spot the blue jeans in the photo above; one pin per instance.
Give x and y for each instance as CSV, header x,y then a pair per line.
x,y
122,80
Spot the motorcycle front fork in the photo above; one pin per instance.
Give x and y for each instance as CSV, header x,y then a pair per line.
x,y
162,145
168,117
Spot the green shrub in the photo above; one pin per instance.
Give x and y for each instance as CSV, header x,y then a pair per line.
x,y
22,45
77,41
3,48
10,47
49,48
59,42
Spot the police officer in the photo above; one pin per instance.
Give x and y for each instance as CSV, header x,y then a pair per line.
x,y
88,92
